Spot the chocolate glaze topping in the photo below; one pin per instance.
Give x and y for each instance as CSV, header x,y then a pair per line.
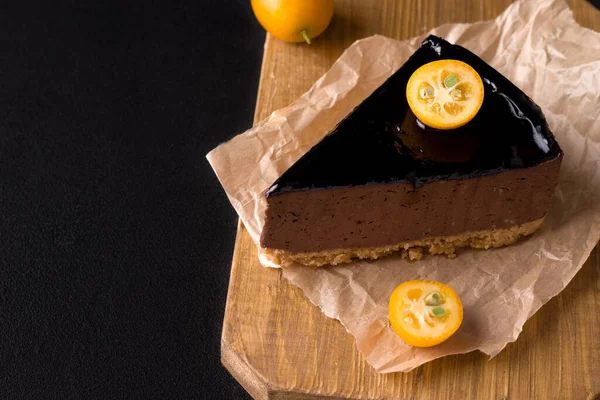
x,y
382,141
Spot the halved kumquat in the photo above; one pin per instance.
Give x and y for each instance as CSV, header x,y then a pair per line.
x,y
445,94
425,313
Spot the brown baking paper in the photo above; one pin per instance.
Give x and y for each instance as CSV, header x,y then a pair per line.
x,y
539,47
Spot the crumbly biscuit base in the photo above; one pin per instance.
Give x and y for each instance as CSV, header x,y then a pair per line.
x,y
412,250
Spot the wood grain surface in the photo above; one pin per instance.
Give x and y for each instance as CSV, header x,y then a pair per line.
x,y
280,346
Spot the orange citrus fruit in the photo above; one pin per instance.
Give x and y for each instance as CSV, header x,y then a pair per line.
x,y
425,313
293,20
445,94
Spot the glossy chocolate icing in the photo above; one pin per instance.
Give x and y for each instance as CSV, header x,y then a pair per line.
x,y
381,141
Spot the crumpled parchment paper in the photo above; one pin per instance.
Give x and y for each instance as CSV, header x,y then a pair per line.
x,y
539,47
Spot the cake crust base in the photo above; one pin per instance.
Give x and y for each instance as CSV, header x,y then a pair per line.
x,y
412,250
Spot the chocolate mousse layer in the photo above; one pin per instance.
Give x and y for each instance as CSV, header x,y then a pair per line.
x,y
385,214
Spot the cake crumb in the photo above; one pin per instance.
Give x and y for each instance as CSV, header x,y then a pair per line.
x,y
415,253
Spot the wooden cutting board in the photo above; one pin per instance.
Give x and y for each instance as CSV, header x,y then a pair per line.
x,y
278,345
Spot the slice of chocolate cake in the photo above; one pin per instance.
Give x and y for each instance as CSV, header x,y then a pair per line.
x,y
382,181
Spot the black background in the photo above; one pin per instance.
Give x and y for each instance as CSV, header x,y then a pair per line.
x,y
115,236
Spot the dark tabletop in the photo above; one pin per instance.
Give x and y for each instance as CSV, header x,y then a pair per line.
x,y
115,235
